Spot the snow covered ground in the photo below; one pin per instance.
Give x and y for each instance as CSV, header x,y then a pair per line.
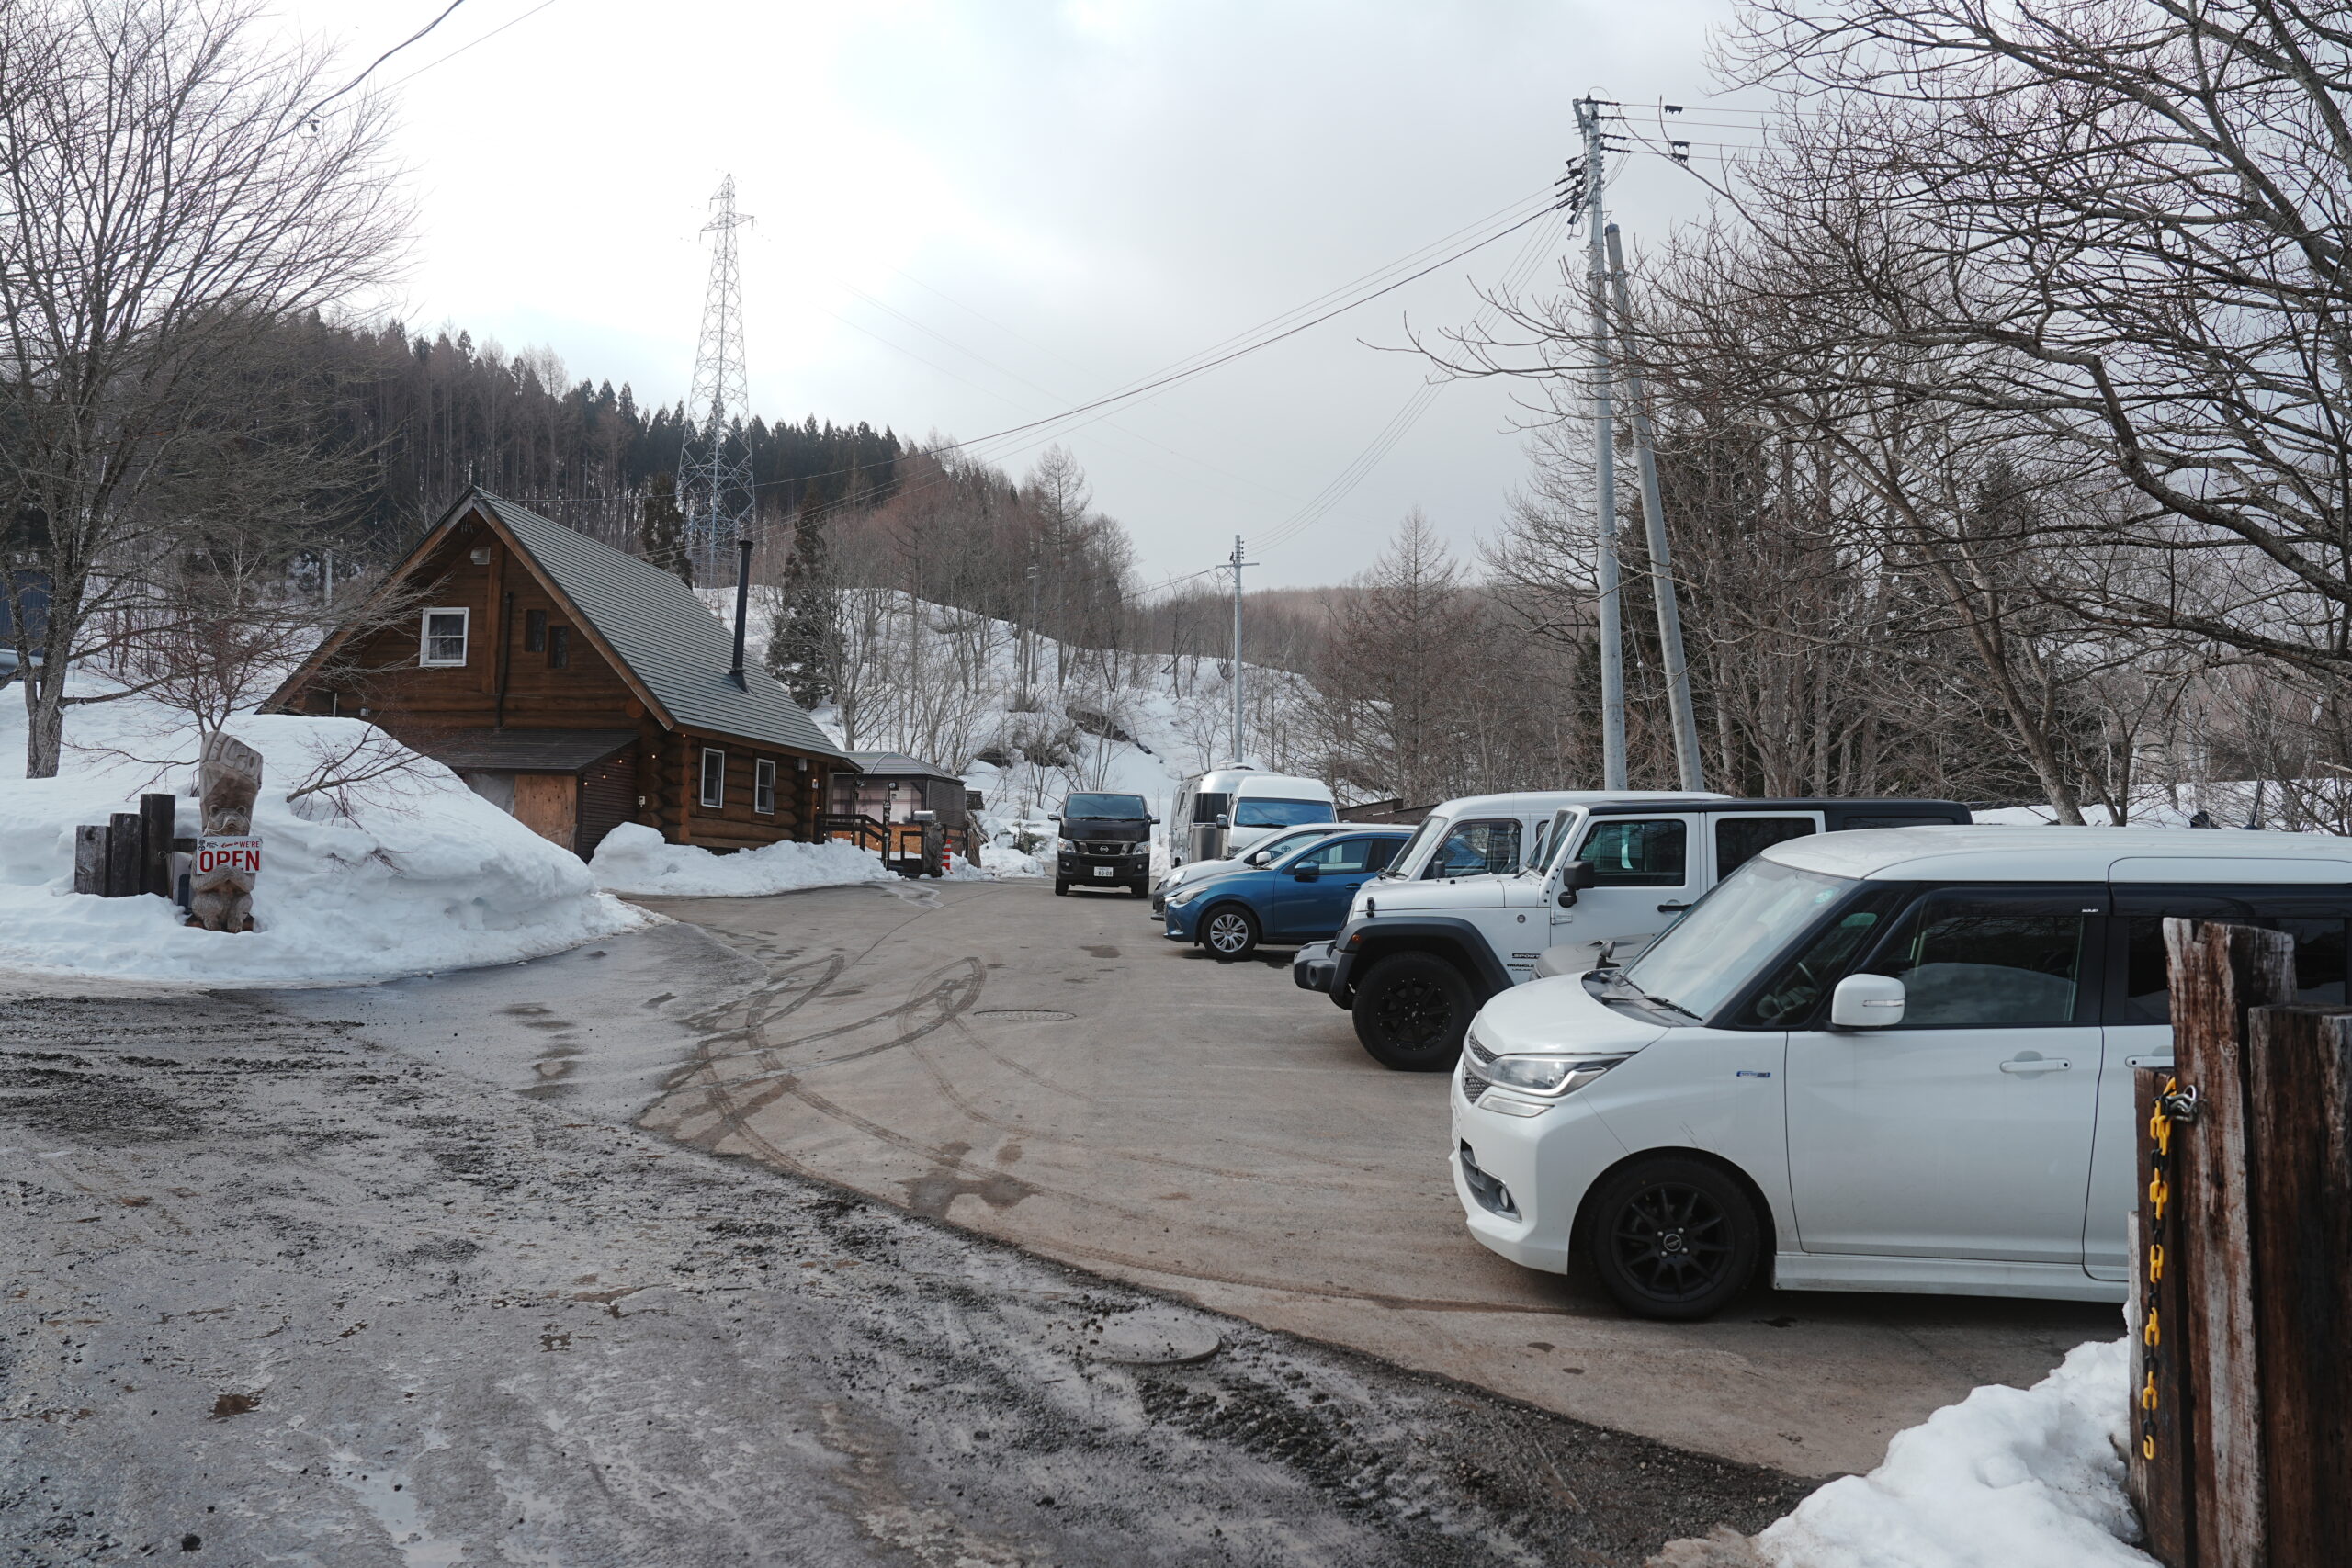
x,y
2008,1478
412,874
633,858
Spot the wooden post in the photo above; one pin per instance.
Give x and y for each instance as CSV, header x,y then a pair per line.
x,y
125,842
2160,1472
159,824
2218,972
90,860
2299,1136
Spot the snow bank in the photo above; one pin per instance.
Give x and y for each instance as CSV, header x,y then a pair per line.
x,y
2008,1478
421,874
635,858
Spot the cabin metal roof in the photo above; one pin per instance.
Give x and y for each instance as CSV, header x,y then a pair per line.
x,y
523,750
674,646
898,764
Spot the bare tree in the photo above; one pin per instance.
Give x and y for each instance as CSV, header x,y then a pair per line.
x,y
171,196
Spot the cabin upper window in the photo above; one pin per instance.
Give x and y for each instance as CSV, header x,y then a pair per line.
x,y
558,648
763,787
714,776
535,631
444,640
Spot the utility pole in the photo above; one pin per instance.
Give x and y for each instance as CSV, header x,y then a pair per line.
x,y
1237,563
1604,456
1670,612
1029,647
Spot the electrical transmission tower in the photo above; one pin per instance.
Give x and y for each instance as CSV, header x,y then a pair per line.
x,y
715,467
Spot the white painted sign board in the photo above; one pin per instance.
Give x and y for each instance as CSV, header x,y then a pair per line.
x,y
217,854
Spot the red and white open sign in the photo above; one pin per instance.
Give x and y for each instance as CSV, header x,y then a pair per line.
x,y
220,854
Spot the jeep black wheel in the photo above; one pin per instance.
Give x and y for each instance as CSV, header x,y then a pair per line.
x,y
1230,931
1674,1238
1061,889
1411,1010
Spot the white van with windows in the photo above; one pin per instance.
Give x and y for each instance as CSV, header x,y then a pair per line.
x,y
1497,890
1226,811
1870,1061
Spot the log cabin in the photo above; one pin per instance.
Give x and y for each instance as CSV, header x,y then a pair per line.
x,y
573,685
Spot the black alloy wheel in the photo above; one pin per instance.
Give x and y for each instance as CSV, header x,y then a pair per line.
x,y
1230,931
1411,1011
1674,1238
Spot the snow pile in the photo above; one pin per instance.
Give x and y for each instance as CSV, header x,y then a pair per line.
x,y
997,862
2008,1478
633,858
419,873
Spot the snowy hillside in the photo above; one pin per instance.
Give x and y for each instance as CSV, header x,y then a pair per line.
x,y
948,685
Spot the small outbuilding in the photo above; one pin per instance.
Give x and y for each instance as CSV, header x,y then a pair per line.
x,y
573,685
877,806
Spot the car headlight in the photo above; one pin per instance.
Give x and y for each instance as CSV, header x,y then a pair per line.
x,y
1181,895
1551,1076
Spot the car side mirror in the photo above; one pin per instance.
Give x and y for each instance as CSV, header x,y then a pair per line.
x,y
1053,818
1153,820
1223,820
1575,876
1866,1001
1308,873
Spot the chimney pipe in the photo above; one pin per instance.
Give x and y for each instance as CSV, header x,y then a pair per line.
x,y
742,608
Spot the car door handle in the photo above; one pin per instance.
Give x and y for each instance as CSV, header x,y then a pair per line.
x,y
1672,908
2036,1064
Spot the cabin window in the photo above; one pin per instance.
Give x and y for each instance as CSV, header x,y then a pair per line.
x,y
444,640
558,648
535,631
714,776
763,787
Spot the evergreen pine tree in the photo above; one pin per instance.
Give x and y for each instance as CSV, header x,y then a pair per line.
x,y
661,532
804,632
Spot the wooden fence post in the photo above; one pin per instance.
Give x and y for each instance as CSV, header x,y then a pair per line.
x,y
159,824
90,859
2241,1385
2299,1138
125,841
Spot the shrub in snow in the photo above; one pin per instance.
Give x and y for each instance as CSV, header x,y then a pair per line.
x,y
412,873
2008,1478
635,858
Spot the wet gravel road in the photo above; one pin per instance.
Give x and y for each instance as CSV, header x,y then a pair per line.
x,y
271,1292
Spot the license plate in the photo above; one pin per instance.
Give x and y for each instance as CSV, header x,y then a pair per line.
x,y
1104,870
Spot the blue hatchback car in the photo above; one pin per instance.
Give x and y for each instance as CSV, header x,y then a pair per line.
x,y
1303,897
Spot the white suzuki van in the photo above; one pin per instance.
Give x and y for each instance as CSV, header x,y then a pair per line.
x,y
1877,1061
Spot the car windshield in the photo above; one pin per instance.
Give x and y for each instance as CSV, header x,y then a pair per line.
x,y
1265,813
1118,808
1731,934
1431,827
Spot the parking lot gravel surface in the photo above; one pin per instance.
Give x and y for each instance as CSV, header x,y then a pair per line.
x,y
275,1291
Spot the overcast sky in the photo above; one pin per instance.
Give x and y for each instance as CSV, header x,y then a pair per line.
x,y
970,215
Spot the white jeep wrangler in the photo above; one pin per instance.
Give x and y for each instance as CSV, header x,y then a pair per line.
x,y
1494,890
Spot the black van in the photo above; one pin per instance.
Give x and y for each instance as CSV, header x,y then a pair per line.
x,y
1106,842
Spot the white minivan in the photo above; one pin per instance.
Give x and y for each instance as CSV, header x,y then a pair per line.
x,y
1223,812
1889,1060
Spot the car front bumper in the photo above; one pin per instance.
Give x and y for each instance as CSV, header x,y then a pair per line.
x,y
1526,1176
1084,870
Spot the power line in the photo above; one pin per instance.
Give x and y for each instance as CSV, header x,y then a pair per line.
x,y
461,48
1196,364
412,37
